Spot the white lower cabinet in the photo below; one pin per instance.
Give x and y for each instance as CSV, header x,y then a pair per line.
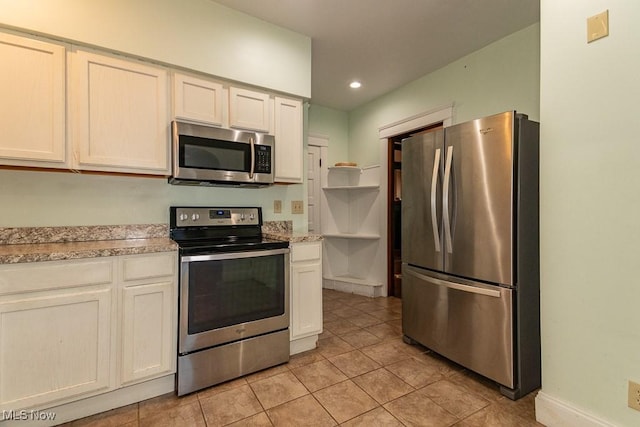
x,y
146,331
306,295
56,332
54,347
148,317
66,336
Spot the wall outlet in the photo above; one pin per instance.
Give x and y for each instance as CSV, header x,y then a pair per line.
x,y
634,396
277,206
297,207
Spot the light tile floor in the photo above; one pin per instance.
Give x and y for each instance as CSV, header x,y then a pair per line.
x,y
361,374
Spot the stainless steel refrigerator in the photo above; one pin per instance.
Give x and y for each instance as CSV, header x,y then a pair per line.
x,y
470,247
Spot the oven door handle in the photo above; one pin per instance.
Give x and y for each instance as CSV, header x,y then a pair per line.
x,y
233,255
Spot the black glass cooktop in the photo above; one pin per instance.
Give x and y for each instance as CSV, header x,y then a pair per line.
x,y
198,247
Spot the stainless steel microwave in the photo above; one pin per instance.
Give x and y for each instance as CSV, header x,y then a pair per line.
x,y
205,155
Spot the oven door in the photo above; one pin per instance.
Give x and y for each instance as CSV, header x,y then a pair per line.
x,y
231,296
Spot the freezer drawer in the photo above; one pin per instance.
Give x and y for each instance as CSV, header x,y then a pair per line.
x,y
471,324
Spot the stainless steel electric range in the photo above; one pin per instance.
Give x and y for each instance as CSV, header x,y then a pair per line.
x,y
233,293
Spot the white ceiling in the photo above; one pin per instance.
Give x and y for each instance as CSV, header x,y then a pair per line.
x,y
387,43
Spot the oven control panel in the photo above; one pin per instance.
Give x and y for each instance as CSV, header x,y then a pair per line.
x,y
204,217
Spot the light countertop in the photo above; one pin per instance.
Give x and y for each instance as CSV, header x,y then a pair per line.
x,y
33,244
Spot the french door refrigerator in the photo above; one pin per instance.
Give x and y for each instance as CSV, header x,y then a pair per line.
x,y
470,247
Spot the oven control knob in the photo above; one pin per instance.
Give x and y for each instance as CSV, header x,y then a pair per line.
x,y
241,217
184,217
195,217
251,217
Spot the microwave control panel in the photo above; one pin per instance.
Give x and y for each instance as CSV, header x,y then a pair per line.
x,y
263,159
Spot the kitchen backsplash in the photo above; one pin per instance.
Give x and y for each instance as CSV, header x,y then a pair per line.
x,y
277,226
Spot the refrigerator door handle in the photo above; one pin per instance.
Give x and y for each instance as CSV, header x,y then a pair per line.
x,y
445,200
434,207
457,286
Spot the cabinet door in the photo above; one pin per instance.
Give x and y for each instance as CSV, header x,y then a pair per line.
x,y
249,110
119,119
306,289
198,100
54,347
289,144
32,103
148,331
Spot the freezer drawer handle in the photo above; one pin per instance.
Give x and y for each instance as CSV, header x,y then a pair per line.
x,y
458,286
434,212
445,200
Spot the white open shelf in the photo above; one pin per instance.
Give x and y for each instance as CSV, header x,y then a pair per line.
x,y
353,258
353,279
353,187
346,168
353,285
352,236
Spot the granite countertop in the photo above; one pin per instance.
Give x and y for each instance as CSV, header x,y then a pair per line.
x,y
33,244
283,230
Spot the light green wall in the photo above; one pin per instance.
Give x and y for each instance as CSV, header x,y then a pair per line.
x,y
502,76
31,199
333,124
196,34
590,205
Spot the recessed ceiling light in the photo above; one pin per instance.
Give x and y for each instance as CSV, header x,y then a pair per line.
x,y
355,84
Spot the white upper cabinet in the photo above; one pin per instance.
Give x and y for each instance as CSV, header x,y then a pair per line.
x,y
118,111
289,144
119,117
199,100
32,102
249,110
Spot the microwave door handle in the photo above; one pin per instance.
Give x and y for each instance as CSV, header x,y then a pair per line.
x,y
253,157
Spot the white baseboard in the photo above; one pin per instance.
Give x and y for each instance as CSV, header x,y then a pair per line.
x,y
553,412
303,344
359,287
100,403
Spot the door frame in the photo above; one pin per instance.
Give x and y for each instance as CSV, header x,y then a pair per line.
x,y
321,141
442,114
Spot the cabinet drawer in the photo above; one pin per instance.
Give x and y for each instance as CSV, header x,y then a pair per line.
x,y
149,266
40,276
305,251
